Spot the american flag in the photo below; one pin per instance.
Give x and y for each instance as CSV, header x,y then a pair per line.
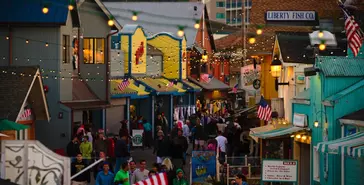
x,y
124,84
170,84
235,88
354,34
26,113
205,78
159,179
264,110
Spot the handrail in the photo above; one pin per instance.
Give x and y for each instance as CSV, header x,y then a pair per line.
x,y
87,168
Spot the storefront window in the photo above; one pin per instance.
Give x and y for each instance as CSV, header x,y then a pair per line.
x,y
66,49
93,50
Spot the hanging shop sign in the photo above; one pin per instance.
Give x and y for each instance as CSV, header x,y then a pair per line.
x,y
279,171
290,16
299,120
137,137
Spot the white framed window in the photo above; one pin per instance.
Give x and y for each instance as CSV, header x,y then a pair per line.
x,y
316,164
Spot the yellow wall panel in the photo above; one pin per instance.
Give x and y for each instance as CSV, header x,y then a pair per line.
x,y
125,49
171,54
139,52
184,59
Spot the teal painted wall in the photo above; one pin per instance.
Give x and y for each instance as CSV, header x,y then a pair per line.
x,y
320,88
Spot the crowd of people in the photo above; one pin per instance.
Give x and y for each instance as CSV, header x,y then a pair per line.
x,y
171,147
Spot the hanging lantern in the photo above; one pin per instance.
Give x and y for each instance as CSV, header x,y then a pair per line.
x,y
135,16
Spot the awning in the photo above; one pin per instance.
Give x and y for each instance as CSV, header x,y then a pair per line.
x,y
178,86
352,145
355,118
278,132
214,84
191,86
133,90
258,130
160,86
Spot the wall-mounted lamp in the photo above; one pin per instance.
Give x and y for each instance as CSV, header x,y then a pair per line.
x,y
275,69
317,123
204,56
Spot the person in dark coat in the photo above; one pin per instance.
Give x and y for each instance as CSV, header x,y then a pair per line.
x,y
162,147
121,152
78,166
180,146
73,148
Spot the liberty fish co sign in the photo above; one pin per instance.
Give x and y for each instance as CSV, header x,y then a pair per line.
x,y
290,16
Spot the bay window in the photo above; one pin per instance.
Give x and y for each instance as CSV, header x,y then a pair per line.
x,y
93,50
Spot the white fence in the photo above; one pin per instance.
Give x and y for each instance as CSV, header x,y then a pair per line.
x,y
30,162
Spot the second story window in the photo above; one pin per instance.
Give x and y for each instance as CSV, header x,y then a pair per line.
x,y
93,50
220,4
66,48
220,15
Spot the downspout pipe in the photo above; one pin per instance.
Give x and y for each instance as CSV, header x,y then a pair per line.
x,y
108,59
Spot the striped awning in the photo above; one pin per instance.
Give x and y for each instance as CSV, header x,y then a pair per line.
x,y
277,132
352,145
261,129
178,86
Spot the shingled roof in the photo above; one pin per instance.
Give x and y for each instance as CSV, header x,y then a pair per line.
x,y
20,84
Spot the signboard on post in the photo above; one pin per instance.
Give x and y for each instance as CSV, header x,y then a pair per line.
x,y
299,120
279,171
137,137
203,169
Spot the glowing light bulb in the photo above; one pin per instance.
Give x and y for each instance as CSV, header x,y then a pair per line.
x,y
322,47
46,44
180,33
197,25
316,124
292,135
134,18
321,34
45,10
70,7
298,136
259,31
110,22
27,41
252,40
304,137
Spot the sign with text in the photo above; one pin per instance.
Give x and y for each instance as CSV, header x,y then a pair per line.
x,y
290,16
137,137
300,120
203,169
279,171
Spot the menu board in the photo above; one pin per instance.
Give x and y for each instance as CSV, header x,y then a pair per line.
x,y
279,170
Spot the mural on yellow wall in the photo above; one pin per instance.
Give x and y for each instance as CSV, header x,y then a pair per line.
x,y
184,58
139,54
134,52
170,47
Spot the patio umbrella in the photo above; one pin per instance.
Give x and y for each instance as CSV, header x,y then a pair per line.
x,y
11,125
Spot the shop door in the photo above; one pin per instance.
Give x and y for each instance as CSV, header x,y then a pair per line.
x,y
304,164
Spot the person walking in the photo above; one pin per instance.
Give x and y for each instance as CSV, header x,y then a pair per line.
x,y
86,149
121,152
221,145
105,177
77,166
148,138
169,170
199,136
122,176
100,144
180,179
162,147
73,148
141,173
180,146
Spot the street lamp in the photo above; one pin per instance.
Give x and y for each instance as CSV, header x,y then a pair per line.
x,y
275,69
204,56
